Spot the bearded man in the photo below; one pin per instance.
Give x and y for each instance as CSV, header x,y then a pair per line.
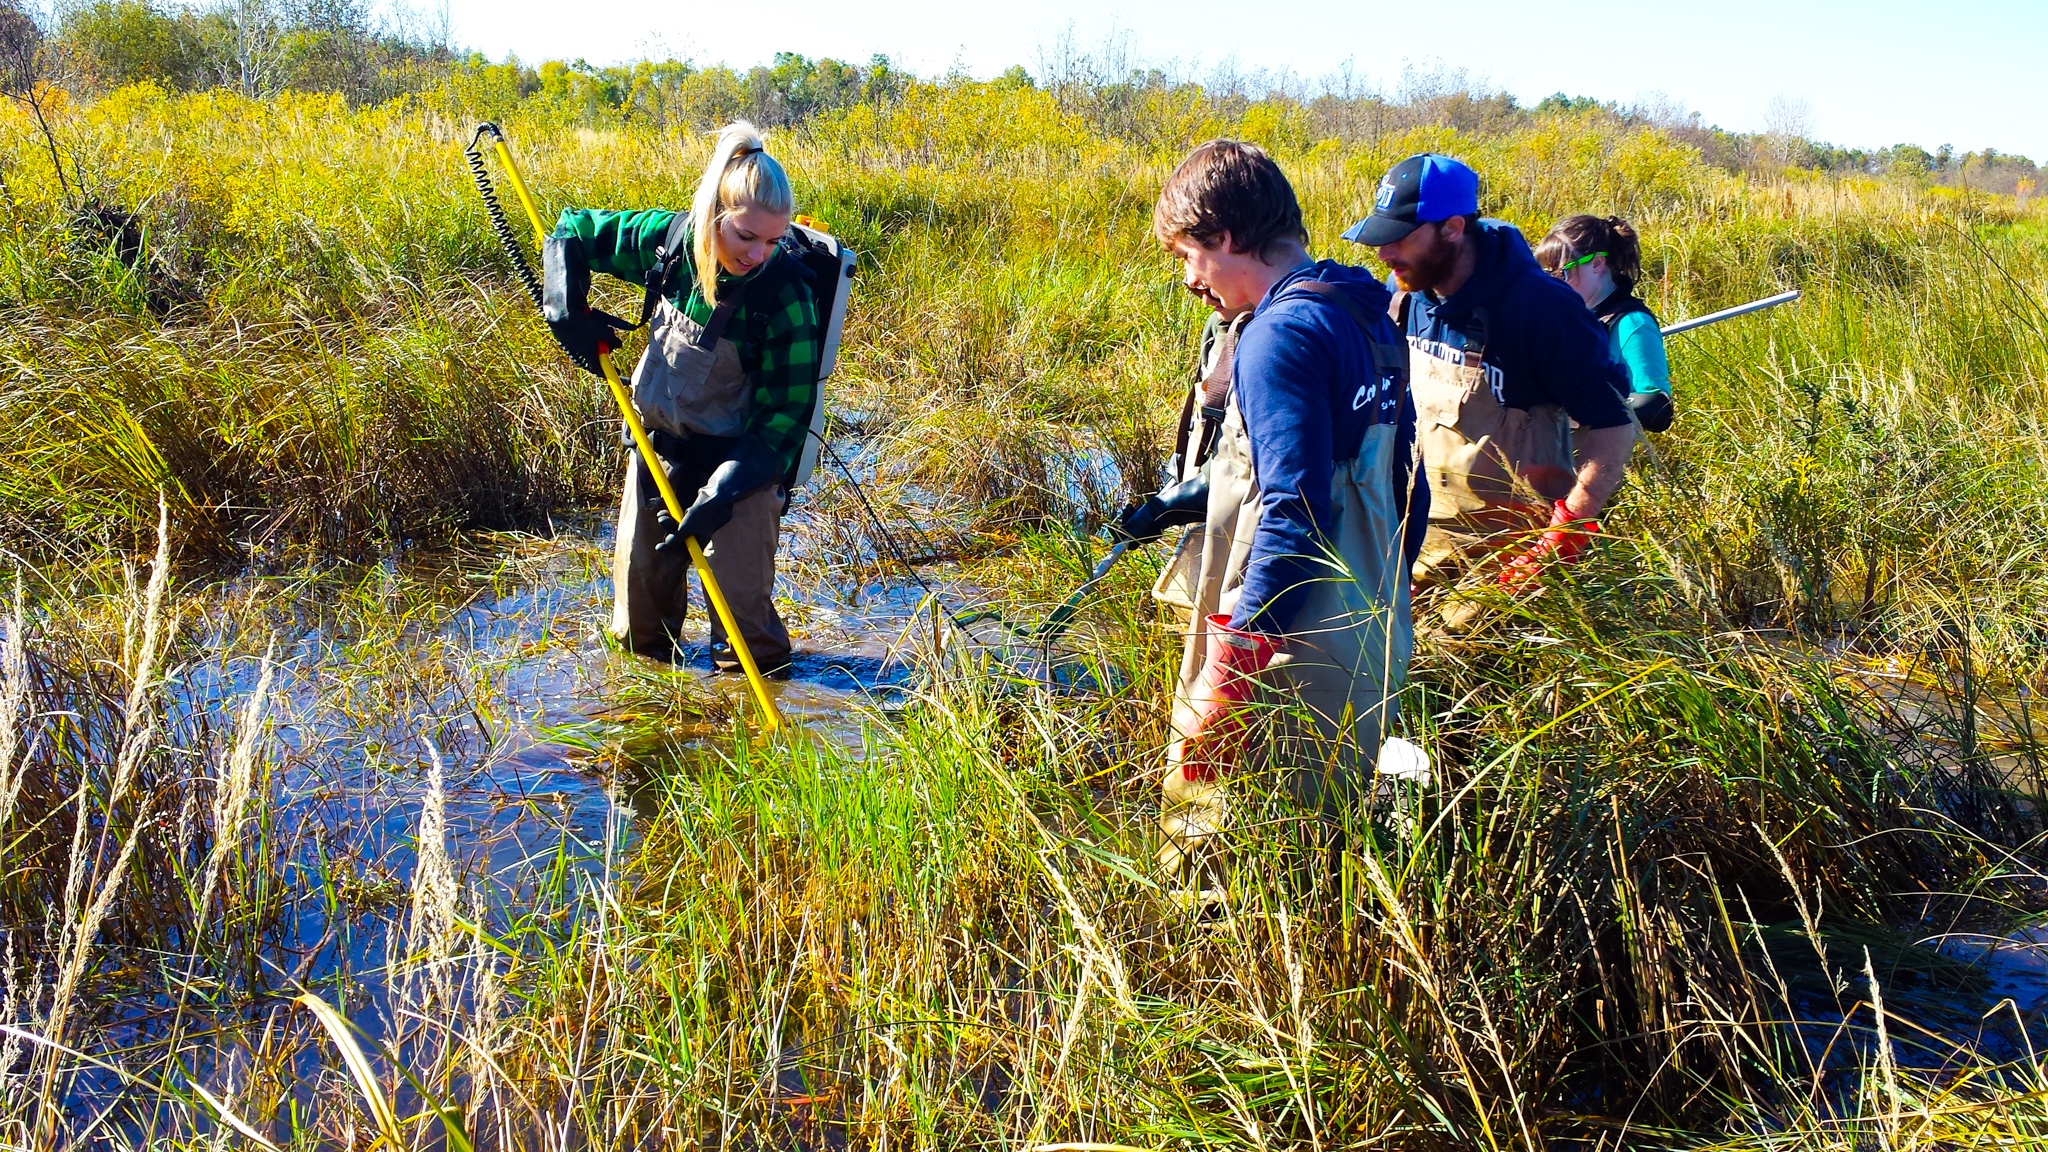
x,y
1504,359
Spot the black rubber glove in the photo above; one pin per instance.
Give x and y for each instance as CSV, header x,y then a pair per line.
x,y
651,501
585,333
750,467
1653,409
588,335
1185,503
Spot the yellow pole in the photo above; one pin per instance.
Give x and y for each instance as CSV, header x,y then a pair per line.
x,y
540,234
771,716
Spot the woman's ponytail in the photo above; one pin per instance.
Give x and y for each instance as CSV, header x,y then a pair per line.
x,y
739,175
1624,253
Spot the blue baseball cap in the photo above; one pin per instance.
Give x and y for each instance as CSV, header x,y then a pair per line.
x,y
1422,189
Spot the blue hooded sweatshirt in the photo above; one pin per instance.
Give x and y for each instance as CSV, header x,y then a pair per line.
x,y
1307,389
1542,345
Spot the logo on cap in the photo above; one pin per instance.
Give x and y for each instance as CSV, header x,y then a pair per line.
x,y
1384,198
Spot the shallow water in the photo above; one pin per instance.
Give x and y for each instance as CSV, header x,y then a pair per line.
x,y
495,662
532,688
496,659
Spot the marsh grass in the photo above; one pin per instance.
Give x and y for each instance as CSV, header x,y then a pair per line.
x,y
252,835
1695,810
358,371
1662,891
1659,886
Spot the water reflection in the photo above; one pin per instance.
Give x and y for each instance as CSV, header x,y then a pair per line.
x,y
496,663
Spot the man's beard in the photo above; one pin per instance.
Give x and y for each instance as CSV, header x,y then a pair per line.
x,y
1432,268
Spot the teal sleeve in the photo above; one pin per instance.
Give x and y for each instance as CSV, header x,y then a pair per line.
x,y
1640,348
618,244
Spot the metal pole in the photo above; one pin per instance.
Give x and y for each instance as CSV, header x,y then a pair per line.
x,y
1730,313
771,716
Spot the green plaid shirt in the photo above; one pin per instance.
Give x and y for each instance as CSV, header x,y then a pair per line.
x,y
779,343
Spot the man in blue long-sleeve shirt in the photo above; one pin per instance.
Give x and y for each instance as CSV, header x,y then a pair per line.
x,y
1301,593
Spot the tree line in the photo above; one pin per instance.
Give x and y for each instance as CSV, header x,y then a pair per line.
x,y
259,47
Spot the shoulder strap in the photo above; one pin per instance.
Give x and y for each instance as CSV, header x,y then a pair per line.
x,y
1212,335
1385,356
1620,304
1478,333
1187,423
671,248
1397,311
721,318
788,265
666,254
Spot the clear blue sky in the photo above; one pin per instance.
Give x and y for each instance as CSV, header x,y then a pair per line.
x,y
1972,73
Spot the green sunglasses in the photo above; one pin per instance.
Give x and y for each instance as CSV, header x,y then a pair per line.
x,y
1588,258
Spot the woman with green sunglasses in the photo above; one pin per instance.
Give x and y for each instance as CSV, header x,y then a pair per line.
x,y
1601,259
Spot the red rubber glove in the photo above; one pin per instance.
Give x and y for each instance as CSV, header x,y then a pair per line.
x,y
1236,657
1563,541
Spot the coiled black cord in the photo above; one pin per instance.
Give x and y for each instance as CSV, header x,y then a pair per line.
x,y
499,224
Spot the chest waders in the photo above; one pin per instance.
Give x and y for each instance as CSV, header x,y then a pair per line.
x,y
1328,696
692,389
692,393
1201,423
1493,470
771,716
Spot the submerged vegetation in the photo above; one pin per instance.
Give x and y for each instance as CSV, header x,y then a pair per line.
x,y
1698,814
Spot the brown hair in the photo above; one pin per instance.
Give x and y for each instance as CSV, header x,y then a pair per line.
x,y
1577,236
1229,186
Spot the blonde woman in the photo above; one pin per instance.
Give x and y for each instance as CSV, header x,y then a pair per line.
x,y
725,388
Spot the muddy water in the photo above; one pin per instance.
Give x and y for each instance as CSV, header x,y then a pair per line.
x,y
495,663
508,674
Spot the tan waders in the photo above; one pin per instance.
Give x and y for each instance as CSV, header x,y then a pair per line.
x,y
1326,697
1493,470
1201,421
690,385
